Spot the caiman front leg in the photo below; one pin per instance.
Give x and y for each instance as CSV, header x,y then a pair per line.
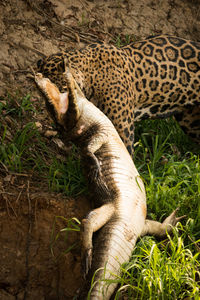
x,y
160,229
93,222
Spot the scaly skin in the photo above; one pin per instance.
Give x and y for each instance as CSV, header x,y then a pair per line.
x,y
119,192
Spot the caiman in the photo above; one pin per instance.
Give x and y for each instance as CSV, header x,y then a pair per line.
x,y
119,193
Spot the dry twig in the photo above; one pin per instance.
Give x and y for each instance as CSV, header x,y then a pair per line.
x,y
85,37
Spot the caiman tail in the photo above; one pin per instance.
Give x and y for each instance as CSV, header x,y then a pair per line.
x,y
112,248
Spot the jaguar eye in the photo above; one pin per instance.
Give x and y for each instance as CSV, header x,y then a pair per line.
x,y
61,67
40,63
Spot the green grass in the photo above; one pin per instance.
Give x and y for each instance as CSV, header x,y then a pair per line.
x,y
17,105
18,153
170,171
24,150
162,270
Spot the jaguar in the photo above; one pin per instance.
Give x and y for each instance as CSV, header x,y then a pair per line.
x,y
153,78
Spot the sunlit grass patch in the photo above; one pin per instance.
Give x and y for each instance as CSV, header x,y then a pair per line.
x,y
174,182
165,270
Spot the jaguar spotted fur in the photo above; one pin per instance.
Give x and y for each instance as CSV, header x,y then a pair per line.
x,y
153,78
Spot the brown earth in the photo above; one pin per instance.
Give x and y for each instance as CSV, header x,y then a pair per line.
x,y
31,267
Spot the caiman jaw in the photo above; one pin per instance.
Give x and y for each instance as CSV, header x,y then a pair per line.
x,y
53,95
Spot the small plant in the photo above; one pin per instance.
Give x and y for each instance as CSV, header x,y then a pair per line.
x,y
16,153
124,40
84,19
17,106
73,225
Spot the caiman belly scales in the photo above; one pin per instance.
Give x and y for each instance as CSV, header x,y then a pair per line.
x,y
118,190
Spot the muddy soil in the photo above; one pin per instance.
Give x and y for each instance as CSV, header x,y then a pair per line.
x,y
31,266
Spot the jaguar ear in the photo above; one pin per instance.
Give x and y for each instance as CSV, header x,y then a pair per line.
x,y
61,66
